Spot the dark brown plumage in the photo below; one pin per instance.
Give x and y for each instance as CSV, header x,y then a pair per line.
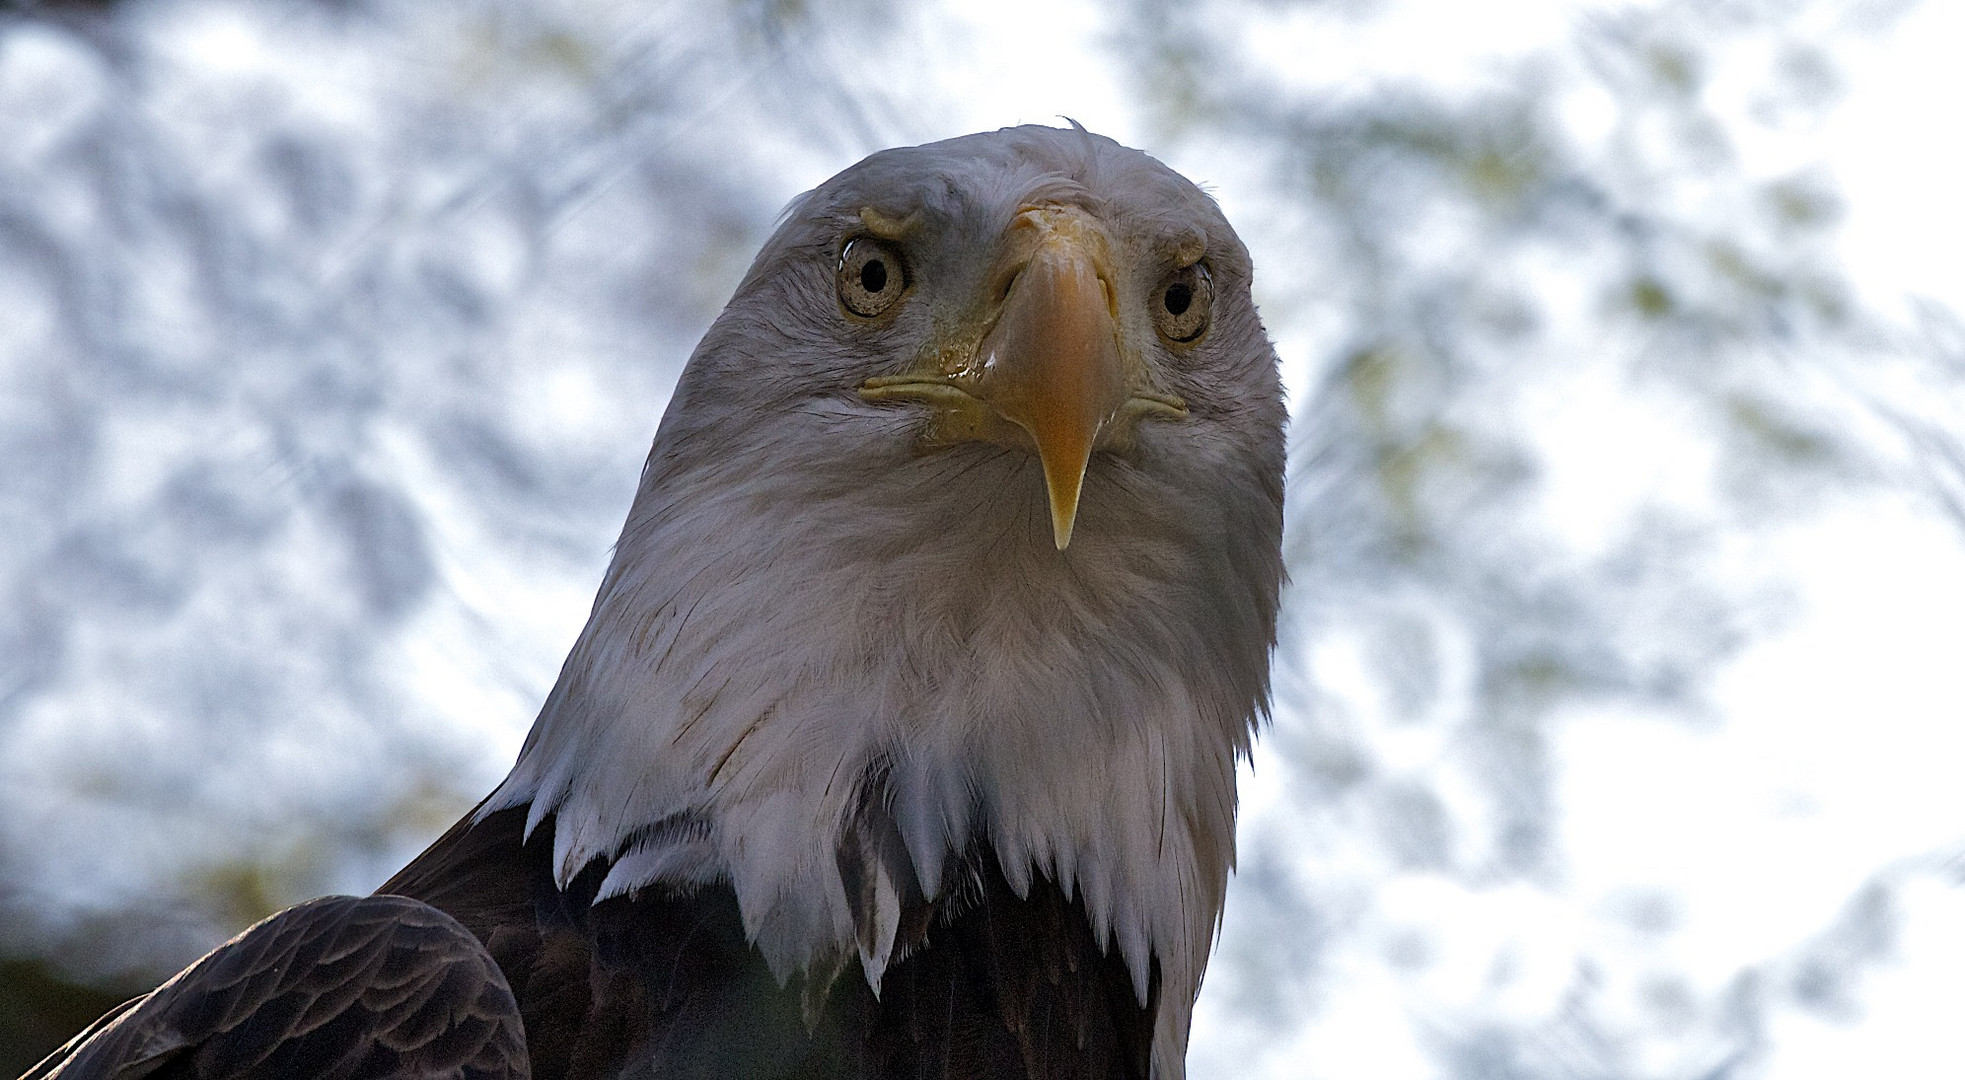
x,y
334,989
995,986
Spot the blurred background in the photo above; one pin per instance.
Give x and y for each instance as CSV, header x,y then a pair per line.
x,y
1619,697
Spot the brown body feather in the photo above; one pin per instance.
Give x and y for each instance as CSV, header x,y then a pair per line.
x,y
665,984
340,988
661,984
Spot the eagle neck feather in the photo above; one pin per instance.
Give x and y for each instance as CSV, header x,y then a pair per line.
x,y
758,657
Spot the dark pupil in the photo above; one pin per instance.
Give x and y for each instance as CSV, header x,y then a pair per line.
x,y
1178,297
873,276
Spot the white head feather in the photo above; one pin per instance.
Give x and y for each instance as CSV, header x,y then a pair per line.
x,y
800,601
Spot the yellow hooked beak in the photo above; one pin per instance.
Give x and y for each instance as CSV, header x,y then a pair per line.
x,y
1052,363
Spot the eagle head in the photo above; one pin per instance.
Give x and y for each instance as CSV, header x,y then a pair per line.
x,y
962,528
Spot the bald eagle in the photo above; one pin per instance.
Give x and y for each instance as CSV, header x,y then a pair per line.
x,y
902,737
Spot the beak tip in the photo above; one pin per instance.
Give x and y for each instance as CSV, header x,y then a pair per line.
x,y
1064,490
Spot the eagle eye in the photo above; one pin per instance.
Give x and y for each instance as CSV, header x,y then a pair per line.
x,y
872,276
1183,303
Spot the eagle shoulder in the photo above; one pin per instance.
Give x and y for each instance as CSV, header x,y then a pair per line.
x,y
664,982
342,986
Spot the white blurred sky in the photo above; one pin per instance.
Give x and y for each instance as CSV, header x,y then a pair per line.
x,y
1841,738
